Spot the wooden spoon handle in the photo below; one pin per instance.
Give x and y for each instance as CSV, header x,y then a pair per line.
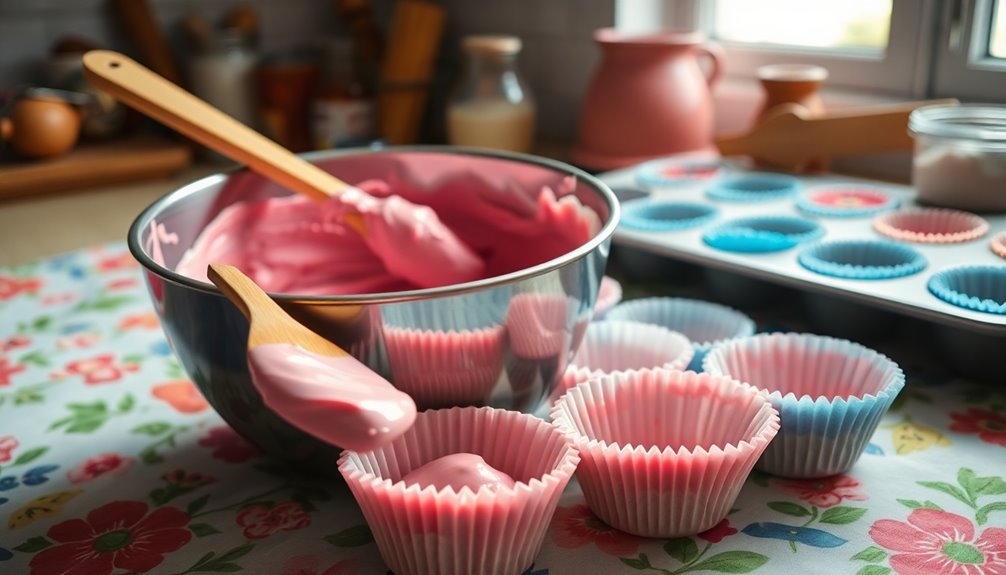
x,y
269,323
153,95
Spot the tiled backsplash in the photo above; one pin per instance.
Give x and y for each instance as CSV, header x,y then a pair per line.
x,y
557,59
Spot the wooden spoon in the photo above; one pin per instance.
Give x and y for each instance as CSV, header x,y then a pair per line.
x,y
309,381
792,139
411,241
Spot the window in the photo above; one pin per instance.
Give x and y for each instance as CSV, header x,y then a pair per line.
x,y
911,49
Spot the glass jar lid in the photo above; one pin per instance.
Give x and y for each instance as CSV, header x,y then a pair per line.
x,y
974,122
492,44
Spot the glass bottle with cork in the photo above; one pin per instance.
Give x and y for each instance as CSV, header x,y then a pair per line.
x,y
342,112
491,106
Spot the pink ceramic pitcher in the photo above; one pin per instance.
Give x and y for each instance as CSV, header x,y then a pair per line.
x,y
648,98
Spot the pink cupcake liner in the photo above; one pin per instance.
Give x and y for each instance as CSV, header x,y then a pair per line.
x,y
830,393
420,531
931,225
445,368
611,347
998,245
537,325
608,296
664,453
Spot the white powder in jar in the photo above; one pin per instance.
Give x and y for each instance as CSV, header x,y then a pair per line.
x,y
960,176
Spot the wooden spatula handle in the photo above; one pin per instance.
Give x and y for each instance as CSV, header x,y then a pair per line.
x,y
151,94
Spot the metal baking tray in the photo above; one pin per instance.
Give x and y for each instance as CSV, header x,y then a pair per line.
x,y
906,295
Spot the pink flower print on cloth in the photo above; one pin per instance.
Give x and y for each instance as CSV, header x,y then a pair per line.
x,y
577,526
102,464
260,521
228,446
937,542
826,492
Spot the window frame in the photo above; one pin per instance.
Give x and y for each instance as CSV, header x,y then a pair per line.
x,y
899,70
962,67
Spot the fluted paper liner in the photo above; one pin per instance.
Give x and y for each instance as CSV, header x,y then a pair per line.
x,y
450,356
621,346
664,453
831,394
931,225
978,288
704,323
445,368
426,531
537,325
998,245
666,216
608,296
862,259
845,201
753,187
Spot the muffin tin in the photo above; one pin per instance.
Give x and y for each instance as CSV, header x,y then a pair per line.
x,y
845,207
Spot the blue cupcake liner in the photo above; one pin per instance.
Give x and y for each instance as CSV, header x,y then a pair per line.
x,y
862,259
762,234
805,201
753,188
704,323
655,172
666,216
978,288
628,193
819,435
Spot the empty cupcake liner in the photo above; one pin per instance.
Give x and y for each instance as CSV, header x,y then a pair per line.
x,y
664,453
704,323
445,368
677,171
628,194
753,188
998,245
862,259
762,234
426,530
608,296
931,225
830,393
978,288
845,201
622,346
536,325
666,216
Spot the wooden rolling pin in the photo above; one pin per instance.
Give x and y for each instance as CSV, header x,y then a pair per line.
x,y
413,40
792,139
141,25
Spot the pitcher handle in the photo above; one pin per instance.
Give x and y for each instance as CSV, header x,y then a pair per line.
x,y
717,57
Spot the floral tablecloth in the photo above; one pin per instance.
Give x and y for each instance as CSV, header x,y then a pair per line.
x,y
112,462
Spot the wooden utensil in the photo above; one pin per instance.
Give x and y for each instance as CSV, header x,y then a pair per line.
x,y
141,25
268,322
410,240
165,102
792,139
309,381
413,39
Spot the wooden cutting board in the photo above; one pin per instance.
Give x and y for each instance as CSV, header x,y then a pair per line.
x,y
135,158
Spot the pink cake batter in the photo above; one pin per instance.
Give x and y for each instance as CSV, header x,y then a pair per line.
x,y
459,470
293,245
335,398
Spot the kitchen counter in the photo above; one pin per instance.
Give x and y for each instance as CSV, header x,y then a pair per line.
x,y
44,225
112,459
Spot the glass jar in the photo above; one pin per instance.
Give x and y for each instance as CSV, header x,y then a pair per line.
x,y
223,74
960,156
343,112
491,106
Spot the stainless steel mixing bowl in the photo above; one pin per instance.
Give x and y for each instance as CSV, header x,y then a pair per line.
x,y
502,341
